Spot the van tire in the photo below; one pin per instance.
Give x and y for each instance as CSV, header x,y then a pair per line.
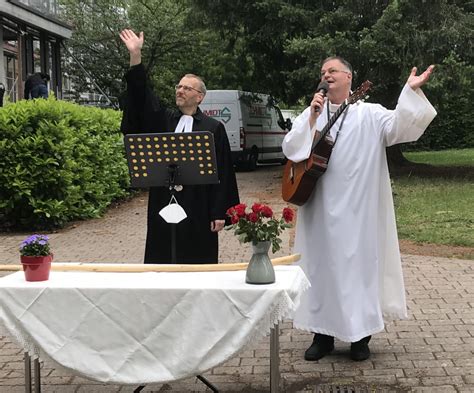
x,y
250,164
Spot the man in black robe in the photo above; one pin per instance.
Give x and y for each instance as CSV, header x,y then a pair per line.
x,y
205,205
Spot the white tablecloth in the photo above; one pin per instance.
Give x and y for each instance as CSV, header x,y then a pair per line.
x,y
144,327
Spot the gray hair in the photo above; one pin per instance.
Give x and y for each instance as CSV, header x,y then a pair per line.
x,y
202,85
341,59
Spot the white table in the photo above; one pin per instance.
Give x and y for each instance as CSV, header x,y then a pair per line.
x,y
139,328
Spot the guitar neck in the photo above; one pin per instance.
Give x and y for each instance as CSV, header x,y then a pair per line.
x,y
330,123
354,97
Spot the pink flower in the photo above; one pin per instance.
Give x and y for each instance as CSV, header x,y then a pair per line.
x,y
234,219
288,214
257,207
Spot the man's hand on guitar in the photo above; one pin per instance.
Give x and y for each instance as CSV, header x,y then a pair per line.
x,y
316,108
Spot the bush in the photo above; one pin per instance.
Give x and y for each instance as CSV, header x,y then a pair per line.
x,y
60,162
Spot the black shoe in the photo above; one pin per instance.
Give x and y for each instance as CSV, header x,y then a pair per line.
x,y
322,345
360,349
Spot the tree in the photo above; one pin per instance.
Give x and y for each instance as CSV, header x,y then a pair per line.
x,y
97,45
286,42
254,34
276,47
442,37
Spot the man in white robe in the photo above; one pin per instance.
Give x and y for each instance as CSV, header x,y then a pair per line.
x,y
346,231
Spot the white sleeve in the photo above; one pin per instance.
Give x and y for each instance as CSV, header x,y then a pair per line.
x,y
297,143
411,117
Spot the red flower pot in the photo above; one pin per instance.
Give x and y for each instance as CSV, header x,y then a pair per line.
x,y
36,268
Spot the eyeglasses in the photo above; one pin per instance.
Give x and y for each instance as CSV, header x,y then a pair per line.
x,y
332,71
186,88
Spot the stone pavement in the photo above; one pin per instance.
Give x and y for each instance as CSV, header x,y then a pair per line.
x,y
432,351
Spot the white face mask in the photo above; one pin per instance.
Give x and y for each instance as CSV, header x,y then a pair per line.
x,y
173,213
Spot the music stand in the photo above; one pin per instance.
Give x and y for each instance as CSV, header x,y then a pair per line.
x,y
171,160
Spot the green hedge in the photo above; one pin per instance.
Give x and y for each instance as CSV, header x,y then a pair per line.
x,y
59,162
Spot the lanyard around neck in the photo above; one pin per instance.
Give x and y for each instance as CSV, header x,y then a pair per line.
x,y
342,121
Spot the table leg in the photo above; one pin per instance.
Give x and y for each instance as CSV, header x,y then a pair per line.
x,y
37,373
27,373
274,359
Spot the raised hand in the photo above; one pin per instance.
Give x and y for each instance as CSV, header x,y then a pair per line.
x,y
134,45
415,81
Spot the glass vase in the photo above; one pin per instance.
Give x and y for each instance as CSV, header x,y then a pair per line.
x,y
260,269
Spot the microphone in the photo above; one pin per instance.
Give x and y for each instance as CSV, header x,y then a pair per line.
x,y
322,88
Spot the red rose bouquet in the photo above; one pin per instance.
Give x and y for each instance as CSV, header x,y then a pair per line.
x,y
258,224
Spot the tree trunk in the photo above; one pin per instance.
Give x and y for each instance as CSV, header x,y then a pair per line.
x,y
395,157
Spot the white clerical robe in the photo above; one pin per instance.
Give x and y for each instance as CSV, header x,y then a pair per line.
x,y
346,231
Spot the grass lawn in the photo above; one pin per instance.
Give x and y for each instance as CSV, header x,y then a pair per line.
x,y
435,209
462,157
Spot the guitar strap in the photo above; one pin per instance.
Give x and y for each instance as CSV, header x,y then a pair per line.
x,y
346,110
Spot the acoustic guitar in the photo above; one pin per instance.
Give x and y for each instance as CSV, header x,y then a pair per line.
x,y
299,178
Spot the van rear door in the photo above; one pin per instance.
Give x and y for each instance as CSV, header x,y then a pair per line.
x,y
273,137
227,113
253,114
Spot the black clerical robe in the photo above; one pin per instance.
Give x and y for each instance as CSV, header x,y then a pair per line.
x,y
195,243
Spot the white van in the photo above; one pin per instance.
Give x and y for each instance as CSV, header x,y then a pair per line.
x,y
254,126
291,114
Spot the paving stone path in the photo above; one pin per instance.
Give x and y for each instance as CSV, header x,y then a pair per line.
x,y
432,351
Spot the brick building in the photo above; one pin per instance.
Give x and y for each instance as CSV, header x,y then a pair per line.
x,y
32,32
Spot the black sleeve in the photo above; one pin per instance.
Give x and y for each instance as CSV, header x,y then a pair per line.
x,y
225,194
142,110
